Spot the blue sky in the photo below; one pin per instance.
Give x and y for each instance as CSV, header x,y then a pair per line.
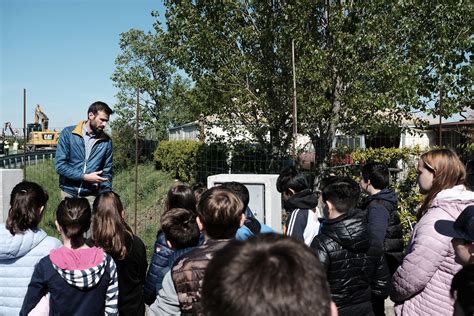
x,y
63,53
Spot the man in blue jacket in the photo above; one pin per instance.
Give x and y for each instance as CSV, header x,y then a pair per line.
x,y
84,155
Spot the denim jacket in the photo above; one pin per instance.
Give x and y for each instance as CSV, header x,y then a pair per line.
x,y
71,163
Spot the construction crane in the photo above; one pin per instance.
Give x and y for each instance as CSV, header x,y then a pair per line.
x,y
8,127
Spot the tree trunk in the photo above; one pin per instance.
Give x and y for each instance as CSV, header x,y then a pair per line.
x,y
324,143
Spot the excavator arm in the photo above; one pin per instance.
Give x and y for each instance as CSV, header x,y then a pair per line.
x,y
40,117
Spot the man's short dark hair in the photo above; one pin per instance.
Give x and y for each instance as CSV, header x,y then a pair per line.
x,y
240,190
220,211
99,106
343,192
378,175
180,228
291,178
267,274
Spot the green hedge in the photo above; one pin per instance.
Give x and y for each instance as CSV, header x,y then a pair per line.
x,y
254,158
388,156
409,198
178,157
190,160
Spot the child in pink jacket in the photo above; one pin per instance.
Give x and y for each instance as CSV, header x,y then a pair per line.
x,y
421,284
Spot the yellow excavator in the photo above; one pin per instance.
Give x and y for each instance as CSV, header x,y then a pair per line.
x,y
39,136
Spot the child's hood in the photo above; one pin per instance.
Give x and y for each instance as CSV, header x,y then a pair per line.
x,y
82,268
18,245
454,200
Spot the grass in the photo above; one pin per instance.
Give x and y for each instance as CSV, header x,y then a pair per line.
x,y
152,188
45,175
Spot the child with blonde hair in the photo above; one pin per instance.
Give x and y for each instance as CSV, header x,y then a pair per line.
x,y
421,283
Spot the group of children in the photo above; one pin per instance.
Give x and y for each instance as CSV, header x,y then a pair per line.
x,y
361,246
103,274
212,256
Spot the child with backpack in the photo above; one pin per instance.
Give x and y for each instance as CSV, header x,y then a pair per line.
x,y
181,233
383,219
219,217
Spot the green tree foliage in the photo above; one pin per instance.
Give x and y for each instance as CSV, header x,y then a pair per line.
x,y
240,61
123,145
165,97
361,66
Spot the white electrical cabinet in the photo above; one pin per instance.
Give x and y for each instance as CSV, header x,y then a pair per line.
x,y
265,200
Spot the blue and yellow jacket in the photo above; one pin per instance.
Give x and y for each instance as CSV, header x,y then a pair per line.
x,y
71,164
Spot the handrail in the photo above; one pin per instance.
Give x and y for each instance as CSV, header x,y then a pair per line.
x,y
16,161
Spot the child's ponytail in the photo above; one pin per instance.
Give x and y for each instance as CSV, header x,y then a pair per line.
x,y
74,217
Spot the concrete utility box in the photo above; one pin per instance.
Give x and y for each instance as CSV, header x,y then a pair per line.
x,y
265,200
8,179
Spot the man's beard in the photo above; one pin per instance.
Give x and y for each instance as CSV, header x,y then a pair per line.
x,y
94,128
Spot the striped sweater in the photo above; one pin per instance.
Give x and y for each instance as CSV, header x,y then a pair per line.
x,y
303,224
91,286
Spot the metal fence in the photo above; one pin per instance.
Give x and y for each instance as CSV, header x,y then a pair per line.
x,y
20,160
144,181
39,165
253,160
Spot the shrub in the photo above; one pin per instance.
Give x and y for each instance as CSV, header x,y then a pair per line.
x,y
190,160
388,156
409,199
123,142
179,158
403,181
341,156
254,158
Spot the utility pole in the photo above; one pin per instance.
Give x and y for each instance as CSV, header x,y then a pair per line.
x,y
137,121
24,134
440,111
295,126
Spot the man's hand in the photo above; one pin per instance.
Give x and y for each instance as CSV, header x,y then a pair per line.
x,y
95,177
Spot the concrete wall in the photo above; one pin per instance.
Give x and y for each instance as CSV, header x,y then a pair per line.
x,y
8,179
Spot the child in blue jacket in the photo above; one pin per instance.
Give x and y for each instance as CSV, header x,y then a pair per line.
x,y
179,196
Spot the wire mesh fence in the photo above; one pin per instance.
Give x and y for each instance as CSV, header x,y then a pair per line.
x,y
153,180
246,158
